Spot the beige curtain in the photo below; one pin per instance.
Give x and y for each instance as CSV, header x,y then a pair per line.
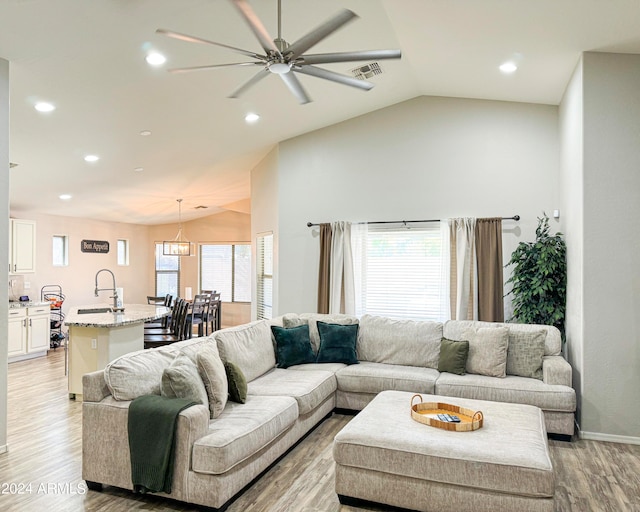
x,y
324,270
488,238
462,255
341,272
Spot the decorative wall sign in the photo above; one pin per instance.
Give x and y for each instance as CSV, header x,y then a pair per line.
x,y
96,246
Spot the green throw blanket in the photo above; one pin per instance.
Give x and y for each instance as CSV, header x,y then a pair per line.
x,y
152,423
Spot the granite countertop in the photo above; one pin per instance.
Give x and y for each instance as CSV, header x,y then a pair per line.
x,y
132,314
28,304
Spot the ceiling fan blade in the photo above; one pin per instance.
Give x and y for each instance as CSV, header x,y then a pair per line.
x,y
295,87
334,77
213,66
327,58
249,83
266,41
193,39
319,33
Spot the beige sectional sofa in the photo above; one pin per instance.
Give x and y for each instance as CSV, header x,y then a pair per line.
x,y
216,458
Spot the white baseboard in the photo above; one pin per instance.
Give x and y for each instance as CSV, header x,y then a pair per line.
x,y
610,438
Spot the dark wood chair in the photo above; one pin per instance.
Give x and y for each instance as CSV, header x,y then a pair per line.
x,y
162,323
198,312
212,322
178,329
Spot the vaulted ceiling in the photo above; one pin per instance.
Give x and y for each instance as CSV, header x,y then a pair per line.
x,y
88,59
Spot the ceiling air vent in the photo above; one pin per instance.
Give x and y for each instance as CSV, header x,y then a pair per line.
x,y
200,207
367,71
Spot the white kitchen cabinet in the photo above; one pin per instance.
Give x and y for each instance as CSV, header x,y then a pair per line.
x,y
17,332
38,327
22,246
29,332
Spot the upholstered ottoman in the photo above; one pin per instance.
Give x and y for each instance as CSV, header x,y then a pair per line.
x,y
385,456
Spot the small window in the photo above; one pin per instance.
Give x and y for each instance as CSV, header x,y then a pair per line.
x,y
123,252
60,251
226,268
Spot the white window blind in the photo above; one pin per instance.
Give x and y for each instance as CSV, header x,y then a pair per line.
x,y
167,273
264,281
400,272
226,268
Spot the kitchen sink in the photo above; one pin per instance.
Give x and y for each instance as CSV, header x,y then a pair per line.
x,y
94,310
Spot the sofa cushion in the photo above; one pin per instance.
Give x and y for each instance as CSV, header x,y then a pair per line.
x,y
453,356
181,380
137,373
293,346
237,383
525,353
405,342
328,367
337,343
241,431
487,351
215,379
309,388
454,329
248,346
512,389
311,319
369,377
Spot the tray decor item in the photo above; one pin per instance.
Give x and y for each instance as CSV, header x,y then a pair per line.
x,y
426,413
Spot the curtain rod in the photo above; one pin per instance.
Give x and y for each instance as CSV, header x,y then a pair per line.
x,y
310,224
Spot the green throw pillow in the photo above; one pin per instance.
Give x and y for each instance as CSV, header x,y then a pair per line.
x,y
293,346
337,343
237,383
453,356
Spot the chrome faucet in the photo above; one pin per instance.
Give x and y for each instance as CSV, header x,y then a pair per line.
x,y
116,307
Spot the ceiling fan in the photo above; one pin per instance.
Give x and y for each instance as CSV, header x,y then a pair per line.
x,y
284,59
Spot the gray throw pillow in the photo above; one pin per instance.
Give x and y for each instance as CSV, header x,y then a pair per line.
x,y
215,380
181,380
488,351
526,349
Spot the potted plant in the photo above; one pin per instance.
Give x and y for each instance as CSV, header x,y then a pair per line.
x,y
539,279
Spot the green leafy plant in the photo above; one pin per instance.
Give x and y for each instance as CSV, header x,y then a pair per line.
x,y
539,279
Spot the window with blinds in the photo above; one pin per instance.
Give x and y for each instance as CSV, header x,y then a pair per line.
x,y
167,273
264,278
226,268
399,273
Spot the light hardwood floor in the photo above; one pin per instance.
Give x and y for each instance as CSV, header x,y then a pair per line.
x,y
42,469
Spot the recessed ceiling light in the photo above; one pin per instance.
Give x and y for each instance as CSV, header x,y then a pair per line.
x,y
155,59
145,133
139,169
65,197
251,118
43,106
91,158
508,67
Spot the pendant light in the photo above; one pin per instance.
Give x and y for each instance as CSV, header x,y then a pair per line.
x,y
178,246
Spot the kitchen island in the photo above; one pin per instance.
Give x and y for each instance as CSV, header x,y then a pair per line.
x,y
97,336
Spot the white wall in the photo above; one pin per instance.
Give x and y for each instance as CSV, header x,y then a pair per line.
x,y
4,235
426,158
572,186
78,278
611,375
264,216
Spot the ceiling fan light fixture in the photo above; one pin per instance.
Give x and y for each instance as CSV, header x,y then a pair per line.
x,y
280,68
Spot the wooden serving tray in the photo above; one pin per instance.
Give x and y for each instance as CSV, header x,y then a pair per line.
x,y
423,412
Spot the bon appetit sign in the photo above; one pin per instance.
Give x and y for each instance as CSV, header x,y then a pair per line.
x,y
97,246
